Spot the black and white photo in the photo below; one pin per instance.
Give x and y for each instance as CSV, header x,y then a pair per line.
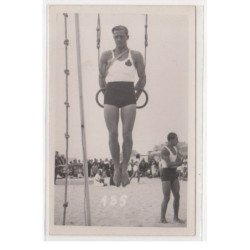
x,y
123,108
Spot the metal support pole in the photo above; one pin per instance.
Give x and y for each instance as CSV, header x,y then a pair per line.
x,y
146,39
86,182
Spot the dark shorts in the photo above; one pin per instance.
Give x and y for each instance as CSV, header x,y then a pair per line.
x,y
119,94
169,174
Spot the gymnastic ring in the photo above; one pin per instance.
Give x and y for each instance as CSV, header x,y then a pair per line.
x,y
138,107
96,97
146,101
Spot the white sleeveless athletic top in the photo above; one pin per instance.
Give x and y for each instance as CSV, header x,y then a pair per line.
x,y
121,71
172,158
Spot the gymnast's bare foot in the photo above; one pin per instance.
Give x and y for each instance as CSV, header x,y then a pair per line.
x,y
177,220
117,175
163,220
125,176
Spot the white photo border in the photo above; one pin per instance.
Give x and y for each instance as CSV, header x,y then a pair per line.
x,y
200,121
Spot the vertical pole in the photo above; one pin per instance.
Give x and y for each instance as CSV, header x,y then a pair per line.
x,y
146,39
86,183
66,71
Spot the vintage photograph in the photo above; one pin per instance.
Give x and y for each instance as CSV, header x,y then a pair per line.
x,y
122,120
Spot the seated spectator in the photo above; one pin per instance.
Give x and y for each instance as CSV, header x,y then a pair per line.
x,y
80,169
90,164
94,168
106,167
101,165
75,168
99,180
148,173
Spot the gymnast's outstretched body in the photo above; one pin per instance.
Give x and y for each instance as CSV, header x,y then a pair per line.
x,y
117,72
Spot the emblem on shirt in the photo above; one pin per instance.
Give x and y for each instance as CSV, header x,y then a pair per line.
x,y
128,63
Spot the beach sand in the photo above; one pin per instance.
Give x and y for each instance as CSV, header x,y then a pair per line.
x,y
136,205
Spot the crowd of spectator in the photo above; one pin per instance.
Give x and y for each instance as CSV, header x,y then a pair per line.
x,y
146,169
75,167
105,168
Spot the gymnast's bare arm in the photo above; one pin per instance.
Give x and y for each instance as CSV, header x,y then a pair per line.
x,y
140,67
103,67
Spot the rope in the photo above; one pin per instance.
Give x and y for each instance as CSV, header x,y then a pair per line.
x,y
66,71
98,37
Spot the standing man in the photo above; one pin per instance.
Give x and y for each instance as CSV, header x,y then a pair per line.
x,y
170,160
117,72
136,169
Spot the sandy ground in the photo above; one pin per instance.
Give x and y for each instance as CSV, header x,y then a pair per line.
x,y
135,205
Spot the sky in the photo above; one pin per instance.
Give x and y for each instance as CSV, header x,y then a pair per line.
x,y
170,72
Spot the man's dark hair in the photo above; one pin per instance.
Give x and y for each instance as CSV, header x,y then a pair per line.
x,y
137,156
120,27
171,136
